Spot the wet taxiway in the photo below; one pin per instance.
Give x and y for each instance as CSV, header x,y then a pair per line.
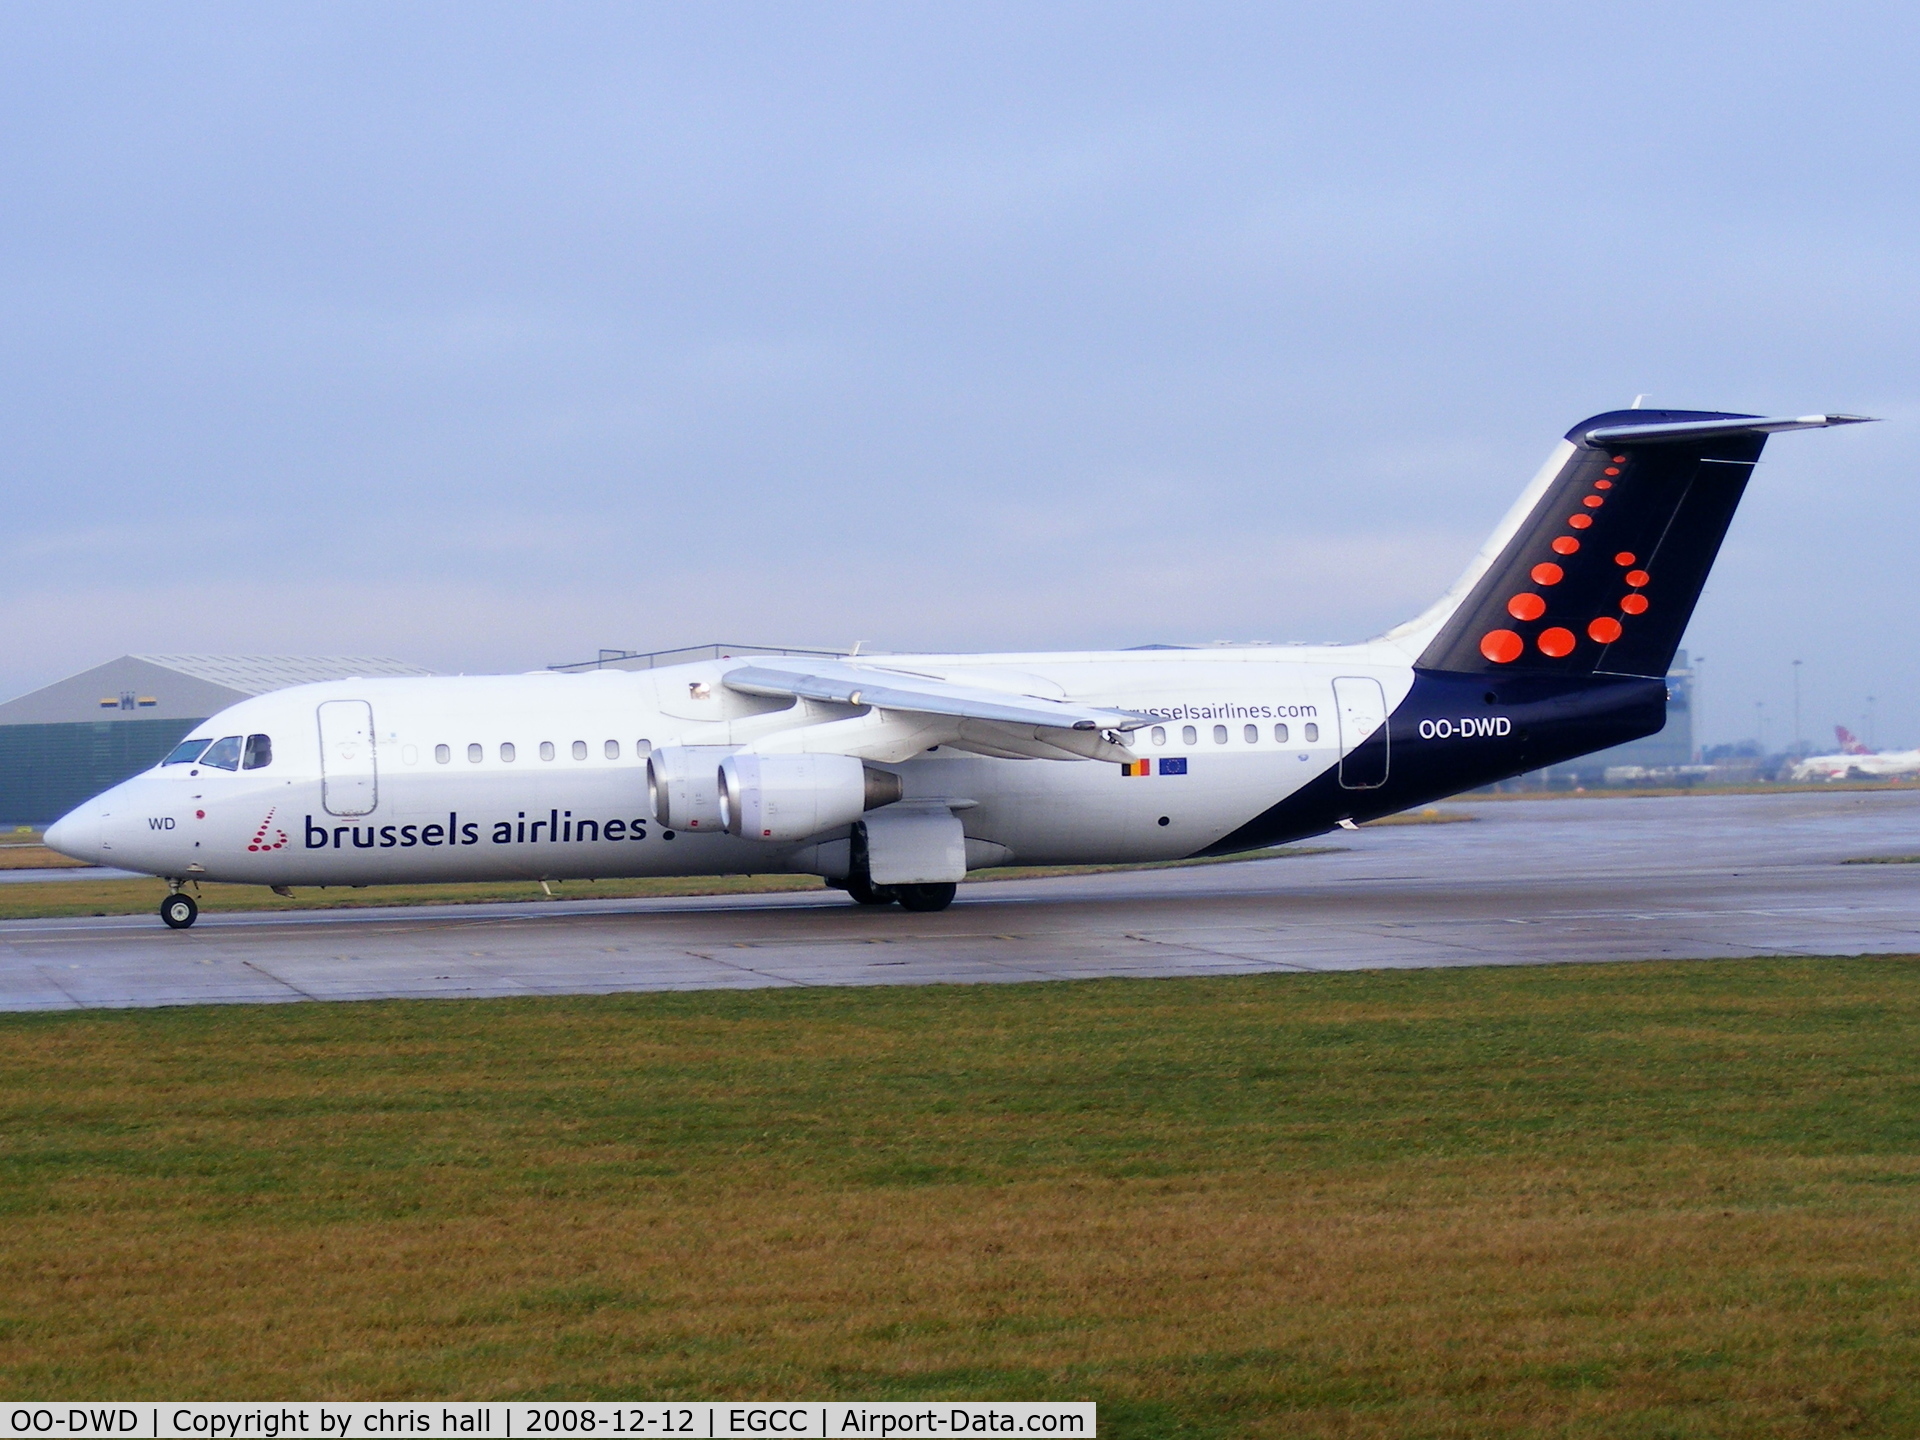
x,y
1527,882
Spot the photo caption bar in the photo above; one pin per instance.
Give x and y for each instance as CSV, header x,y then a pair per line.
x,y
496,1420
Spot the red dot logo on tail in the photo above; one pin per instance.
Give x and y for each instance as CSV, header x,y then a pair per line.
x,y
1502,647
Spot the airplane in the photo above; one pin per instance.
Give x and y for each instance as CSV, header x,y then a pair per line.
x,y
892,776
1856,762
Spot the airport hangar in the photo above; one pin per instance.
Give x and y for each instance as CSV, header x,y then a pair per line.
x,y
67,742
64,743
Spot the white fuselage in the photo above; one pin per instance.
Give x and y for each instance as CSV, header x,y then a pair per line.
x,y
437,798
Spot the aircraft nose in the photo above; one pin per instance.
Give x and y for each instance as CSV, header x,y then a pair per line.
x,y
76,835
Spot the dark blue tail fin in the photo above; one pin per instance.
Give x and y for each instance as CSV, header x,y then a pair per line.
x,y
1603,573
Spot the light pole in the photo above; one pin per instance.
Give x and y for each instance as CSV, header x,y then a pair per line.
x,y
1872,743
1797,747
1699,710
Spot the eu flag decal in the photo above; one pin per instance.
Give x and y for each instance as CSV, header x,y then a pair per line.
x,y
1175,765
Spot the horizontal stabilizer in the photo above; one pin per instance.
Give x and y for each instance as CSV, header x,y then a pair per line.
x,y
1672,433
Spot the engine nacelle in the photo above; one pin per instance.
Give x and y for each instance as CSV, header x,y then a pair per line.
x,y
789,797
683,786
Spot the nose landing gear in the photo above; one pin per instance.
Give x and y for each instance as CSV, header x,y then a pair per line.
x,y
179,910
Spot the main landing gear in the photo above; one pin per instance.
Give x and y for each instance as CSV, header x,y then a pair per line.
x,y
859,883
179,911
924,898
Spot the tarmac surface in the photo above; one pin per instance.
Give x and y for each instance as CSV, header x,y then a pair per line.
x,y
1527,882
66,872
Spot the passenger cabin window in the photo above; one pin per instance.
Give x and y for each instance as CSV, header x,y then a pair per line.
x,y
259,753
1311,731
1252,733
546,749
1219,734
186,752
1189,735
223,754
1280,734
1159,734
579,749
443,753
474,752
611,749
506,752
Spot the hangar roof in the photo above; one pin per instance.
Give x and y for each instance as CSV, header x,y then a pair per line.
x,y
257,674
183,687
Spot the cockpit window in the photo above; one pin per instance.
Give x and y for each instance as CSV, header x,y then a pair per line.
x,y
259,753
223,754
186,752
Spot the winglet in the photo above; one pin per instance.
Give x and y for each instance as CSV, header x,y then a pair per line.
x,y
1672,433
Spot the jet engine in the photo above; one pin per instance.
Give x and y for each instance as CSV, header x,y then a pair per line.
x,y
789,797
683,786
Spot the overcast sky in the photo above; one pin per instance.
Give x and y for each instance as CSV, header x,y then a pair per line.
x,y
487,336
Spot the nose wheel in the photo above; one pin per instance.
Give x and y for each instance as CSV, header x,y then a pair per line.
x,y
179,911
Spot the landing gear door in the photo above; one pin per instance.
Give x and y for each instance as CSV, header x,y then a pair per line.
x,y
1362,707
349,779
910,844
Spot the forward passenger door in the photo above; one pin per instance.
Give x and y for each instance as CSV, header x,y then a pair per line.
x,y
349,774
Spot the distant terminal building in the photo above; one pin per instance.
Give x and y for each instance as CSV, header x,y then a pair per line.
x,y
1665,756
87,733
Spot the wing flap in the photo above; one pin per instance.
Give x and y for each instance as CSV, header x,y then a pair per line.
x,y
884,690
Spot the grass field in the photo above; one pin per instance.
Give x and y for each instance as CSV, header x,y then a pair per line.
x,y
52,899
1623,1200
1668,792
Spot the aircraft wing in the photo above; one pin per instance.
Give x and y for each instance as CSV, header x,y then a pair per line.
x,y
847,684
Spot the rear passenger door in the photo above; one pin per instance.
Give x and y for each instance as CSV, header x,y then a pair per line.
x,y
1362,706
